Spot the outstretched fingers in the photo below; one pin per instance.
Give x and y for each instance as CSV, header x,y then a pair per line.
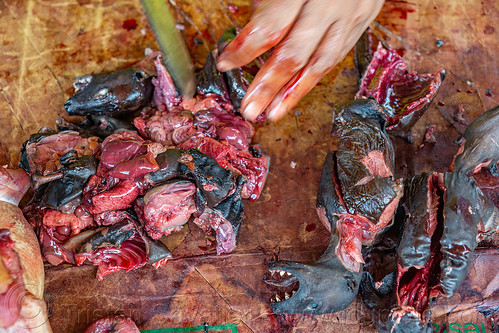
x,y
327,55
289,57
268,26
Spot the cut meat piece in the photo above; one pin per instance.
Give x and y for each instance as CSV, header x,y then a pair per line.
x,y
165,94
120,196
225,219
167,128
53,218
225,235
404,95
165,207
13,185
120,146
116,93
419,252
41,153
213,181
11,281
113,324
477,162
365,194
113,248
135,167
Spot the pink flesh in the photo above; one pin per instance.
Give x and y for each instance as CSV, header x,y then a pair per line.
x,y
131,255
52,249
164,96
10,307
376,164
119,197
354,231
54,219
321,213
166,207
113,324
13,185
415,285
117,149
44,155
402,93
137,166
226,238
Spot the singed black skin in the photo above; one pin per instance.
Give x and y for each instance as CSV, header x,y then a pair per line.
x,y
169,166
231,85
415,244
113,235
361,127
235,79
156,250
381,266
232,207
210,80
205,170
115,93
75,174
36,137
198,167
326,286
95,125
481,144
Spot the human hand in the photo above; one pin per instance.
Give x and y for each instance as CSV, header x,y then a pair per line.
x,y
311,37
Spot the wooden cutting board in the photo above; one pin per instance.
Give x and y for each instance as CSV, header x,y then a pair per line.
x,y
45,44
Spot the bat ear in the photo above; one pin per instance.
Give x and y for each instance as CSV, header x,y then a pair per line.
x,y
81,82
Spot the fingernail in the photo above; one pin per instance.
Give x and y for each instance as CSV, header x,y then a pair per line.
x,y
275,112
251,111
224,65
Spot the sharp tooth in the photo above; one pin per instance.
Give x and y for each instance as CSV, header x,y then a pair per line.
x,y
294,292
286,296
277,298
287,273
272,271
272,300
282,273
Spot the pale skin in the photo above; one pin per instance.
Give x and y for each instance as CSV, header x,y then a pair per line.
x,y
310,37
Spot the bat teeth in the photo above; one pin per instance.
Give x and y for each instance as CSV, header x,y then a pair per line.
x,y
281,273
286,296
293,292
277,298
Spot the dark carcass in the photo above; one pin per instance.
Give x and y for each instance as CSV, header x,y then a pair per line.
x,y
356,201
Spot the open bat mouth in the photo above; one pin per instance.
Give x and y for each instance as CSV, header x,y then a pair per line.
x,y
283,284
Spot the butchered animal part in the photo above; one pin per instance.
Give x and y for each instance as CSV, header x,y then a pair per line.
x,y
364,183
112,324
116,93
166,207
404,95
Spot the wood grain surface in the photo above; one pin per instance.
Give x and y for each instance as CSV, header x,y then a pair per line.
x,y
45,44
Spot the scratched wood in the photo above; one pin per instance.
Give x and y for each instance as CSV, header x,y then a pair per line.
x,y
45,44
